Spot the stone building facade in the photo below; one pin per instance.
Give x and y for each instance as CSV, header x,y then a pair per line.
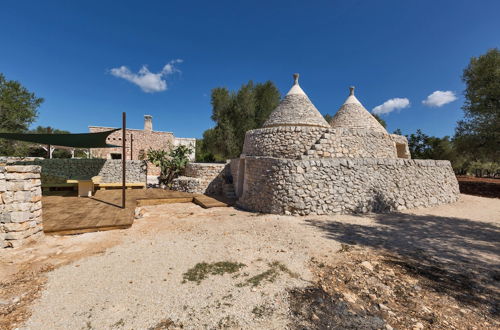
x,y
138,141
20,204
300,164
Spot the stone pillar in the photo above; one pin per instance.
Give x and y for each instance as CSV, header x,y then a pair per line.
x,y
148,123
20,204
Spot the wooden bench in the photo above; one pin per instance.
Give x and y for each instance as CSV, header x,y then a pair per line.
x,y
48,186
116,185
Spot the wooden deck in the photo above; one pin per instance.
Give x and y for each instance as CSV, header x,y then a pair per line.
x,y
64,213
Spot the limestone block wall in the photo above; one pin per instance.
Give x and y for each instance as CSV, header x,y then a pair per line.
x,y
353,143
59,170
211,176
20,204
283,141
330,186
187,184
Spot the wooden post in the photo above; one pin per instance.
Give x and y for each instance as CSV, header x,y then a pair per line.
x,y
131,150
124,156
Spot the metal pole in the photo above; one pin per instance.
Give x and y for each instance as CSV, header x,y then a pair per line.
x,y
124,156
131,150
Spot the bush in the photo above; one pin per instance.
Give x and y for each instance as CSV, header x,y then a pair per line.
x,y
171,163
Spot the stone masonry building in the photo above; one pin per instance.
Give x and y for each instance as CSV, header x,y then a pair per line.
x,y
138,141
297,163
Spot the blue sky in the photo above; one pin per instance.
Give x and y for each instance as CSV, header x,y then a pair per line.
x,y
65,51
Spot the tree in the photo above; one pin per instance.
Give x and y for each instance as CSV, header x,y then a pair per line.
x,y
34,150
380,120
328,118
478,134
48,130
18,110
234,113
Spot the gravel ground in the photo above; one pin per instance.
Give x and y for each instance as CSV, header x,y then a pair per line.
x,y
138,282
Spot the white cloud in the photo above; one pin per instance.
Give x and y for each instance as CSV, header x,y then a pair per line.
x,y
391,105
148,81
439,98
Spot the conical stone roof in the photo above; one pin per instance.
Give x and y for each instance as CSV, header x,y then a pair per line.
x,y
296,110
352,114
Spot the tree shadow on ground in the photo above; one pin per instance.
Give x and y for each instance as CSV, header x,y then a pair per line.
x,y
457,256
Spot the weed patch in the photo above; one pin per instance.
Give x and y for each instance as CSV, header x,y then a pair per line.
x,y
202,270
270,275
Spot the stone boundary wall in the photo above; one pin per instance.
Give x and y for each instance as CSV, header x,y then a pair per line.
x,y
20,204
210,178
332,186
353,143
283,141
187,184
59,170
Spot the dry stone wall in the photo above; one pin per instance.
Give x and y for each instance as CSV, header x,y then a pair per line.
x,y
353,143
203,178
285,141
110,170
300,142
20,204
187,184
330,186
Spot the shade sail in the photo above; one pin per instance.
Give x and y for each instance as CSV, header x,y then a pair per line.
x,y
78,140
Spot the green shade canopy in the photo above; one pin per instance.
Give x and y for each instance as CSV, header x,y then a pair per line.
x,y
79,140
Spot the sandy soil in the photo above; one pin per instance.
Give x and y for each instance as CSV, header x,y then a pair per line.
x,y
136,278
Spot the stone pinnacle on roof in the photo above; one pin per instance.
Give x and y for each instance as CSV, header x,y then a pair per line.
x,y
352,114
295,110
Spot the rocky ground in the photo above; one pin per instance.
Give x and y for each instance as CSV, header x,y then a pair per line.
x,y
181,266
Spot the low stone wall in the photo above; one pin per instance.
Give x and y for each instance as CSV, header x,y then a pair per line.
x,y
211,178
330,186
20,204
187,184
110,170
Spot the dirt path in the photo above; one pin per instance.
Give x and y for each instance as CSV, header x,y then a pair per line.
x,y
181,265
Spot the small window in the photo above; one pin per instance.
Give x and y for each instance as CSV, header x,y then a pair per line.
x,y
116,156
